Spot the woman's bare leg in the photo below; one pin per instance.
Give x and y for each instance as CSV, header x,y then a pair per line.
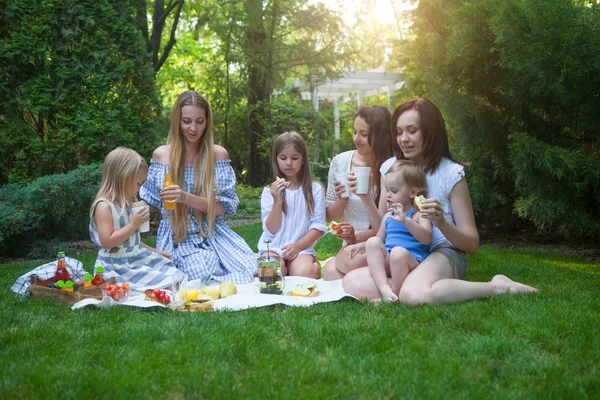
x,y
303,265
432,282
360,283
378,260
341,265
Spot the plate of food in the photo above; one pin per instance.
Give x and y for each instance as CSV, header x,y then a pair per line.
x,y
308,289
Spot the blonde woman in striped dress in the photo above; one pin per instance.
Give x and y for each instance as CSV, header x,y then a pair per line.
x,y
115,228
200,242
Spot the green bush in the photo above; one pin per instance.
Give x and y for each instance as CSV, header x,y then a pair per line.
x,y
558,188
52,208
76,81
249,197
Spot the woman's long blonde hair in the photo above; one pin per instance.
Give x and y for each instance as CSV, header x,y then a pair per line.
x,y
204,164
119,171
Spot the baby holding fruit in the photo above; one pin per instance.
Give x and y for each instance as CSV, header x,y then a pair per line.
x,y
115,228
292,209
402,241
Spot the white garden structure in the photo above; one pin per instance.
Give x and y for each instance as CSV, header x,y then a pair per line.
x,y
361,84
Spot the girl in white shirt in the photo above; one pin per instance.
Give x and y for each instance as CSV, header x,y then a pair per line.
x,y
292,209
420,136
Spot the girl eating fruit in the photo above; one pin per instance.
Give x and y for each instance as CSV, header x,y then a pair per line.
x,y
420,136
402,241
292,209
192,184
115,228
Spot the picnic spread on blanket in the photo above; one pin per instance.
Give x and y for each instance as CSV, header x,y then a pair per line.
x,y
65,281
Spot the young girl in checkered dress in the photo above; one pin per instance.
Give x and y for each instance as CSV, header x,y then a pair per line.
x,y
115,228
201,243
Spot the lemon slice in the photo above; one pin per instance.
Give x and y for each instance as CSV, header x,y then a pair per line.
x,y
419,202
300,291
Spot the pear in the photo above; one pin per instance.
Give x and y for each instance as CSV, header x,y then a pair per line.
x,y
227,289
212,291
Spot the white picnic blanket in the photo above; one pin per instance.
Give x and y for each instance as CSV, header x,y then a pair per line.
x,y
248,296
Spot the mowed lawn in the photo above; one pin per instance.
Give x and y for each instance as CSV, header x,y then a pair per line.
x,y
522,346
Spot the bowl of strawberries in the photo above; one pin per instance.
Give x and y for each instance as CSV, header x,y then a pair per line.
x,y
118,292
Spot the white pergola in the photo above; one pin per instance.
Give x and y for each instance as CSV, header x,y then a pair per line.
x,y
362,84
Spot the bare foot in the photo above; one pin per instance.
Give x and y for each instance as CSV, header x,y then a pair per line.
x,y
387,294
507,285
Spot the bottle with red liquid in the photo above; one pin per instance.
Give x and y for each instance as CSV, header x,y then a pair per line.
x,y
62,274
99,278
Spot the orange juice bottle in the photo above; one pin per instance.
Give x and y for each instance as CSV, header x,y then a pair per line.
x,y
168,182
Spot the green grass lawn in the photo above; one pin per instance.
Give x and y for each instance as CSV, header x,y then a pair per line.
x,y
532,346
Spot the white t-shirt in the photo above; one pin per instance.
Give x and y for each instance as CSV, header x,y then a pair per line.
x,y
439,184
355,212
296,222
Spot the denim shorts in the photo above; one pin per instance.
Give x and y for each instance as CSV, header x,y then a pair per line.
x,y
456,258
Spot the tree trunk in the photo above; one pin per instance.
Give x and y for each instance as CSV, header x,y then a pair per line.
x,y
259,90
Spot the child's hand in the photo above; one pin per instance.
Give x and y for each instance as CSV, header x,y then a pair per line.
x,y
139,218
350,251
397,212
277,188
290,252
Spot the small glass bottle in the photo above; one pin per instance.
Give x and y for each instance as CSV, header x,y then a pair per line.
x,y
168,182
99,278
62,274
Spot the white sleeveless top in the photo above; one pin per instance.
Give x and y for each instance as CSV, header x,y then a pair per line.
x,y
439,184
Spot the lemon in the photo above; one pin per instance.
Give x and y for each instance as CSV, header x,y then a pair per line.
x,y
227,289
300,291
189,294
212,291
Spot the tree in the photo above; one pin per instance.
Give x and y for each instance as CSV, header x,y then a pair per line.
x,y
279,36
75,82
514,79
160,17
240,53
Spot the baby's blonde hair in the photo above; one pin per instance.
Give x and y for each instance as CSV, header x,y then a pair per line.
x,y
412,174
120,169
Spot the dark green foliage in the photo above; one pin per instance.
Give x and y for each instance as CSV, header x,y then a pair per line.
x,y
75,83
249,197
286,113
54,207
498,68
565,202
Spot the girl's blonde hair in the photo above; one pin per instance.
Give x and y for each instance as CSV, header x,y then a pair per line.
x,y
304,176
412,174
119,171
204,165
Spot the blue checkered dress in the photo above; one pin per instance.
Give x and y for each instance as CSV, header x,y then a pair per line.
x,y
130,261
222,257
